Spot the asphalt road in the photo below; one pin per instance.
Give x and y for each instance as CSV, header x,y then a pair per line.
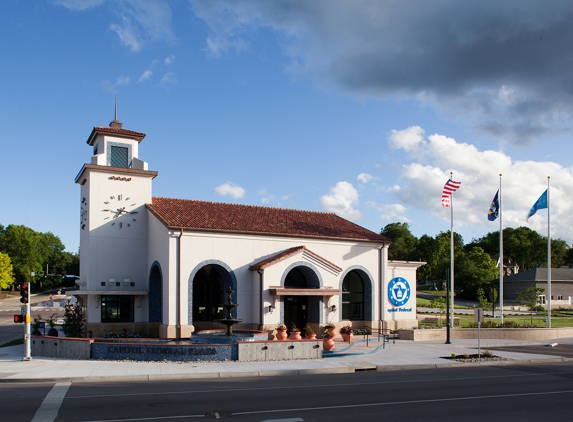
x,y
11,306
497,393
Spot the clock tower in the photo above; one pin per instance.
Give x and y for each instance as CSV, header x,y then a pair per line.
x,y
115,186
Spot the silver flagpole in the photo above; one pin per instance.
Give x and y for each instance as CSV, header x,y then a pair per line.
x,y
452,256
548,258
501,267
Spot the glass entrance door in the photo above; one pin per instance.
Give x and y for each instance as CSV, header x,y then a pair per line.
x,y
296,310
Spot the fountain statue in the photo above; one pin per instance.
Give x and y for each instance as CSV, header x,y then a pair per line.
x,y
229,306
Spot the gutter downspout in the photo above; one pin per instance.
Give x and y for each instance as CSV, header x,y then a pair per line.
x,y
380,287
261,283
382,278
178,294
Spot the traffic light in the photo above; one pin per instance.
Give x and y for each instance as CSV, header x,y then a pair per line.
x,y
24,292
19,319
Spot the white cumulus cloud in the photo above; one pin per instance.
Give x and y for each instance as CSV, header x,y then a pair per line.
x,y
145,75
522,183
230,189
342,199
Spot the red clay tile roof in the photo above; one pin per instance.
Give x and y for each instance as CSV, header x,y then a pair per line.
x,y
224,217
138,136
288,253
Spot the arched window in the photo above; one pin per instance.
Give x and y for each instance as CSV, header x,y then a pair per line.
x,y
352,297
207,294
295,278
155,295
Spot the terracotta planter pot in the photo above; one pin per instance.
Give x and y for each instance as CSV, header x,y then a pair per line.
x,y
328,343
347,337
281,334
332,332
310,336
295,335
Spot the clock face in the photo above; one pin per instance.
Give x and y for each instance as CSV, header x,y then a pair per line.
x,y
120,211
83,213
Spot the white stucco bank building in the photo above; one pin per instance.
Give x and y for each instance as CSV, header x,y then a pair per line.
x,y
161,265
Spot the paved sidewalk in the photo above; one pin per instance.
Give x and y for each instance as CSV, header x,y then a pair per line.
x,y
399,356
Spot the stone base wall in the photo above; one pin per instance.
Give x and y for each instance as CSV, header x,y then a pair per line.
x,y
531,334
63,348
262,351
160,349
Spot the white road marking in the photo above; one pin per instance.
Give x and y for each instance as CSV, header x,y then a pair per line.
x,y
284,420
344,384
48,411
349,406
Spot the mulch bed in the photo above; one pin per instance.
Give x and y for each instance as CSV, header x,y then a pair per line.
x,y
475,358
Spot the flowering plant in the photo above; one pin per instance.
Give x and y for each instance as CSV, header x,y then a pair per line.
x,y
326,334
281,326
347,329
293,328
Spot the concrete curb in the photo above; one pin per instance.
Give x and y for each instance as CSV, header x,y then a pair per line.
x,y
287,372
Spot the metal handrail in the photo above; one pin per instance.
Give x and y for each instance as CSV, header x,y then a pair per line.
x,y
383,333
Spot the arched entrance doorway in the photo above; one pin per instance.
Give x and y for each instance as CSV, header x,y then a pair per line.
x,y
301,309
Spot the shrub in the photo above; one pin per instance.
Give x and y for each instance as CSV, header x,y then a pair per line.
x,y
73,325
487,354
361,331
347,329
453,355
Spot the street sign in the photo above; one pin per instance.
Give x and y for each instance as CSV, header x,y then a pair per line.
x,y
478,315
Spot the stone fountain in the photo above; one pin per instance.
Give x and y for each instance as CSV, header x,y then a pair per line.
x,y
229,306
221,337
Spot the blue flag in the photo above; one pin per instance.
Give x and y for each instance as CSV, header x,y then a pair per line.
x,y
539,205
493,212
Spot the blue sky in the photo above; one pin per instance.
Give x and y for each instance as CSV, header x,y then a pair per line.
x,y
360,108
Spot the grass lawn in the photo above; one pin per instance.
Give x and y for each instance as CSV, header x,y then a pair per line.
x,y
420,301
13,342
538,320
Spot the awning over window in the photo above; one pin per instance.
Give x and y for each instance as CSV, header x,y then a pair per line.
x,y
292,291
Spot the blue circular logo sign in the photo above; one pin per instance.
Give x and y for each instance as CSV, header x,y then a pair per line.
x,y
398,291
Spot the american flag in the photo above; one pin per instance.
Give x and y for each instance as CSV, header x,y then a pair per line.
x,y
450,187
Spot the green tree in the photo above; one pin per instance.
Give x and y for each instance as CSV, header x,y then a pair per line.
x,y
529,298
73,325
482,298
559,252
439,303
22,245
6,271
404,243
436,253
32,251
474,270
525,247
